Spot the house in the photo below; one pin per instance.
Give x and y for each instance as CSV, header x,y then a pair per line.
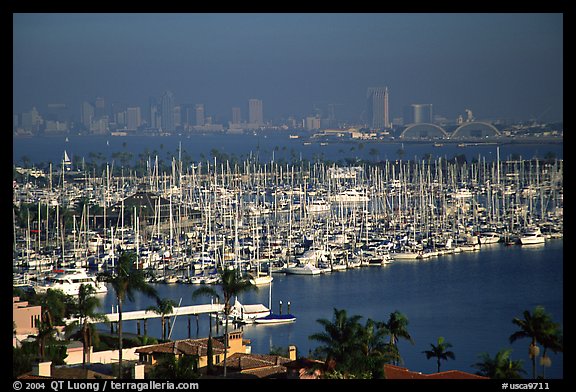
x,y
45,370
393,372
304,368
25,318
245,365
196,347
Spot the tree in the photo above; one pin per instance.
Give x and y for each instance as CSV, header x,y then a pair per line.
x,y
340,338
172,368
86,309
538,327
500,367
126,281
440,352
163,307
53,305
552,339
232,285
374,348
397,327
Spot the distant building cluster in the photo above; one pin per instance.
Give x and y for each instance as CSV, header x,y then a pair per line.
x,y
164,115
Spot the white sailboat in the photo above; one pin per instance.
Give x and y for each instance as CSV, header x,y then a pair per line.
x,y
273,318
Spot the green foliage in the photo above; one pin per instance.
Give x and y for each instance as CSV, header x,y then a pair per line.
x,y
172,368
499,367
440,351
539,327
353,350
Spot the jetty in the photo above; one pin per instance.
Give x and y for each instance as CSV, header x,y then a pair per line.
x,y
191,310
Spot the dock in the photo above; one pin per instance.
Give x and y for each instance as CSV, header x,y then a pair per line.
x,y
148,314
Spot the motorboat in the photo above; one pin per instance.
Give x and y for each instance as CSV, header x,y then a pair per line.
x,y
276,319
69,281
247,314
531,236
303,269
489,237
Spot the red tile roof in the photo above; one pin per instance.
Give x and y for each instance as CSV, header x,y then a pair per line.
x,y
184,347
393,372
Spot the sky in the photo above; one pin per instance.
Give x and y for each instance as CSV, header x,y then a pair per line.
x,y
500,66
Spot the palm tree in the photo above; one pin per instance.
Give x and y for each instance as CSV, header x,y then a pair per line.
x,y
53,304
126,281
553,340
440,352
374,348
172,368
501,366
86,309
536,326
340,338
163,307
397,328
232,285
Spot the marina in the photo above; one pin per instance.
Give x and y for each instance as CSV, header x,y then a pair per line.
x,y
279,223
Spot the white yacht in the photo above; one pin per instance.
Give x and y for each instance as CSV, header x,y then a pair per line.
x,y
69,281
489,237
350,196
306,269
532,235
318,206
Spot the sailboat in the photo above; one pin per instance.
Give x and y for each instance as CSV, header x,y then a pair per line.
x,y
66,162
261,279
274,318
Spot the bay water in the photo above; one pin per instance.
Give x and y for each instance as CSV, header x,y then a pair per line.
x,y
468,298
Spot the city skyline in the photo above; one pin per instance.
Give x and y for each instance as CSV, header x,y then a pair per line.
x,y
507,66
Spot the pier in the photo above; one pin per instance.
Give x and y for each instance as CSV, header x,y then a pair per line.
x,y
148,314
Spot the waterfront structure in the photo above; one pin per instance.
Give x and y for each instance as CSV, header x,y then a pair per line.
x,y
424,131
378,114
167,112
477,129
255,112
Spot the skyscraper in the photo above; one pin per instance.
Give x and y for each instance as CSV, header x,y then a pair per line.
x,y
236,115
255,112
167,112
418,113
87,114
378,115
200,120
133,118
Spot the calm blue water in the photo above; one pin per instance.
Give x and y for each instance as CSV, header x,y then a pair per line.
x,y
265,146
469,298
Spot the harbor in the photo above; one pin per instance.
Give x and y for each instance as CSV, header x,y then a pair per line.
x,y
280,225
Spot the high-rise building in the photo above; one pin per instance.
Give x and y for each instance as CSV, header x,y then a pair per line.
x,y
378,115
99,107
200,117
422,113
167,112
255,112
133,118
418,113
236,115
87,114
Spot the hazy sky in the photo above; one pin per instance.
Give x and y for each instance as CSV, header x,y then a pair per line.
x,y
499,65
